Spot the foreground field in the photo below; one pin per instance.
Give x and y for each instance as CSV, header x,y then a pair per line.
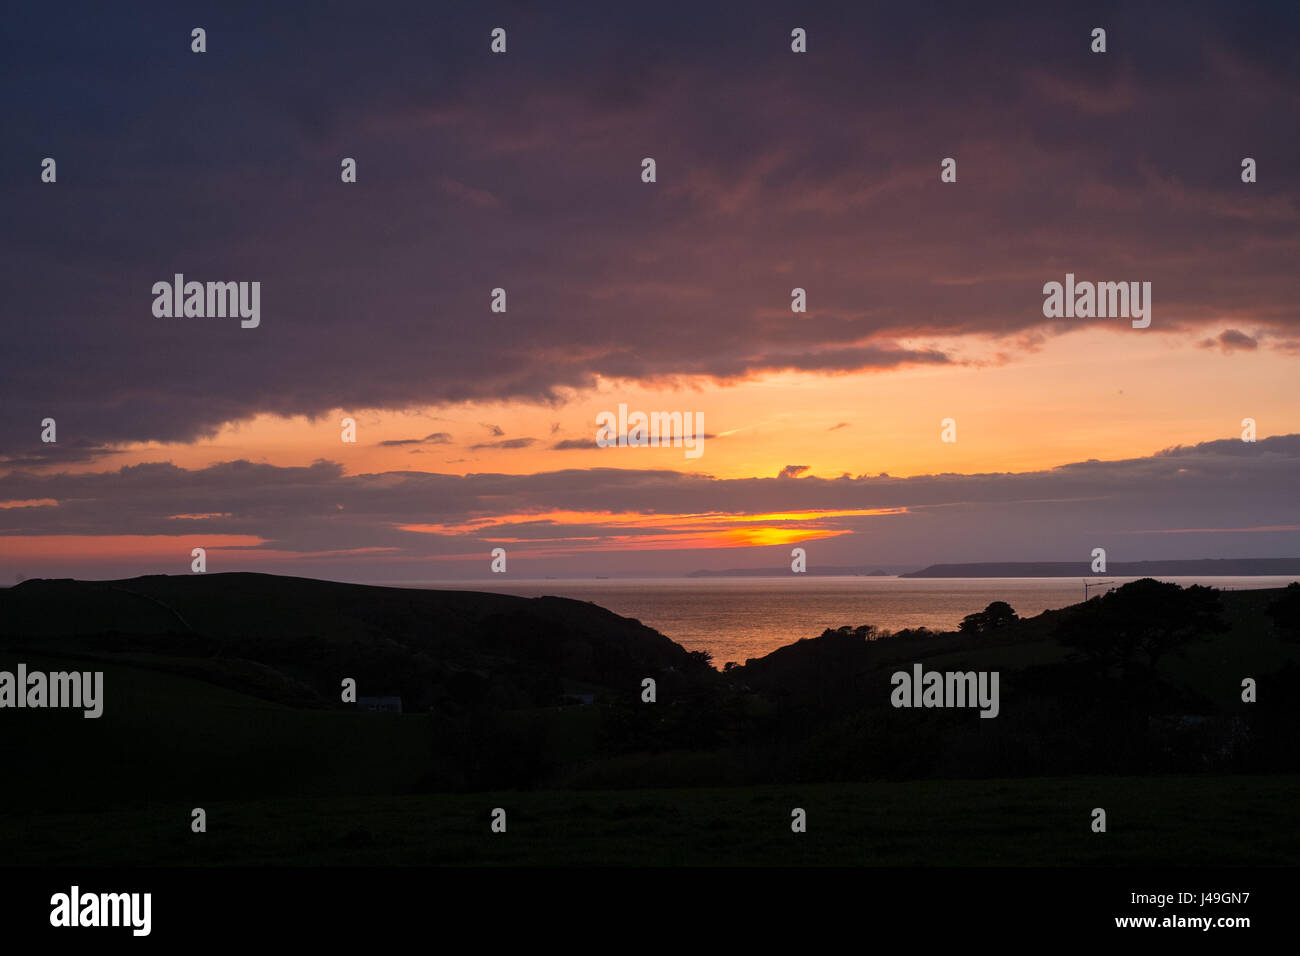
x,y
1241,820
222,693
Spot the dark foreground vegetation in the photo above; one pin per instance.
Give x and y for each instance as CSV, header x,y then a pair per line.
x,y
223,692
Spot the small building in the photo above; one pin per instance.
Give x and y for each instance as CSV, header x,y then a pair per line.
x,y
387,705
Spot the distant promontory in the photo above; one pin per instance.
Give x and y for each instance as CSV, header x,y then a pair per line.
x,y
1200,567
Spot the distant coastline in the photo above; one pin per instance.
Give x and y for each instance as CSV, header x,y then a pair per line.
x,y
1198,567
816,572
1201,567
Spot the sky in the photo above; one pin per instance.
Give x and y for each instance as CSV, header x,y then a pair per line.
x,y
774,170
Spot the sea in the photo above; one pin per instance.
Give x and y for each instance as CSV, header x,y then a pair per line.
x,y
735,619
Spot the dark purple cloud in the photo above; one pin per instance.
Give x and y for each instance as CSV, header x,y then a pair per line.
x,y
521,171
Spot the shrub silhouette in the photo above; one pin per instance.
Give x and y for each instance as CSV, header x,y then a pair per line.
x,y
1285,612
1136,625
997,615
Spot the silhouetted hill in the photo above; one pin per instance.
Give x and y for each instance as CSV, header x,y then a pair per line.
x,y
1109,703
227,685
1206,567
292,639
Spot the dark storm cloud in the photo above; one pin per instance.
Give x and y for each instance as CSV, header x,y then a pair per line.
x,y
522,172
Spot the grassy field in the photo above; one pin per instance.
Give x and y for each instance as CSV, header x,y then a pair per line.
x,y
162,736
1151,821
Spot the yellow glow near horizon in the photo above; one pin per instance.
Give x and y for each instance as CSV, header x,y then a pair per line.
x,y
1089,394
695,530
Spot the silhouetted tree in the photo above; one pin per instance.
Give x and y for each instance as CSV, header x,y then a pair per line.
x,y
997,615
1140,622
908,633
1285,612
863,632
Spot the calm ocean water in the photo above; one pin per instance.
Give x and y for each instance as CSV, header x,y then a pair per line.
x,y
738,618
